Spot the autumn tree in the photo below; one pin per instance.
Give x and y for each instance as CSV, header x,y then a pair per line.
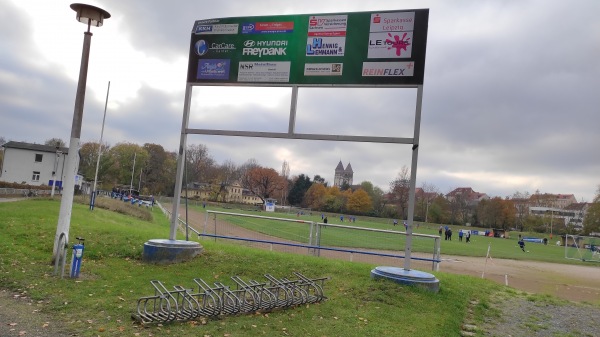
x,y
158,175
88,158
122,157
376,194
335,199
439,210
591,222
424,200
262,182
399,191
496,213
359,202
315,196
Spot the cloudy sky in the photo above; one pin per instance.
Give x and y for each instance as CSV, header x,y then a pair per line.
x,y
511,92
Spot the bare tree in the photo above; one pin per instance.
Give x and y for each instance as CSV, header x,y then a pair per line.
x,y
199,163
55,142
399,189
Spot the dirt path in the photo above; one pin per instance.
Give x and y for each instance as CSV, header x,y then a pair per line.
x,y
571,282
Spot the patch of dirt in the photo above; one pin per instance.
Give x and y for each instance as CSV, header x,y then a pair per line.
x,y
524,317
20,316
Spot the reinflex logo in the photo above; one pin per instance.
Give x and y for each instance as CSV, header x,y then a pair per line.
x,y
201,48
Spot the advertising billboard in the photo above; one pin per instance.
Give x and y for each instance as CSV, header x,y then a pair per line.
x,y
358,48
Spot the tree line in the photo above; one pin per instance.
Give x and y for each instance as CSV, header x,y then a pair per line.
x,y
155,169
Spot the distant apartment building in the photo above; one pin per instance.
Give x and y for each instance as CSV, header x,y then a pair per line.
x,y
467,194
231,193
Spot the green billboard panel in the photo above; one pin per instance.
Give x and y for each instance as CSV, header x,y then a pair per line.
x,y
359,48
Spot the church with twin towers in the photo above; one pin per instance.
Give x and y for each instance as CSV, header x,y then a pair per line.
x,y
343,176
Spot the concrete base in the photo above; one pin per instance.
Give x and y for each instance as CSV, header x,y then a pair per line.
x,y
408,277
162,251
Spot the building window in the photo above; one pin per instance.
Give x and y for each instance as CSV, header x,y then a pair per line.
x,y
38,157
36,176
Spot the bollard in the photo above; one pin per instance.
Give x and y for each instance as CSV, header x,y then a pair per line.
x,y
77,257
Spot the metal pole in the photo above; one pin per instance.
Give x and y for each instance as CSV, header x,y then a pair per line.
x,y
132,172
187,228
413,179
180,162
66,202
93,200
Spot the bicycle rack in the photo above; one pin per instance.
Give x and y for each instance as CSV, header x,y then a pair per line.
x,y
183,304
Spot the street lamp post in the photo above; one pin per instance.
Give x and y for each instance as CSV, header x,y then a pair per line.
x,y
91,16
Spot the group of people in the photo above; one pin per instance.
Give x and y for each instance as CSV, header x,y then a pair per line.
x,y
448,234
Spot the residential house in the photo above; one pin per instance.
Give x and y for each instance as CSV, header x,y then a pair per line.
x,y
34,164
467,194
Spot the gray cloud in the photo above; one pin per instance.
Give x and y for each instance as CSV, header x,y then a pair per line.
x,y
510,97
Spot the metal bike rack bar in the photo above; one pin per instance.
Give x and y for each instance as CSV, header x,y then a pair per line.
x,y
184,304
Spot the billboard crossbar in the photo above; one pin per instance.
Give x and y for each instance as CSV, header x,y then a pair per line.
x,y
305,136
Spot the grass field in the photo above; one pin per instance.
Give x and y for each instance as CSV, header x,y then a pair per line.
x,y
113,278
499,247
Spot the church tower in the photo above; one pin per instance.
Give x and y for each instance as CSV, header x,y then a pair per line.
x,y
343,176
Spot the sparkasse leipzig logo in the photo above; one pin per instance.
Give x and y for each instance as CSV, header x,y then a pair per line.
x,y
201,48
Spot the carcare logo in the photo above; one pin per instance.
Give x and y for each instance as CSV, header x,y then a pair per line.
x,y
265,48
202,47
390,45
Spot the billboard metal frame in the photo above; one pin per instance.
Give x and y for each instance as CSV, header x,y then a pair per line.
x,y
292,134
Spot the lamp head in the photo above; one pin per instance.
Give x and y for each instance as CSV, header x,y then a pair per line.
x,y
90,15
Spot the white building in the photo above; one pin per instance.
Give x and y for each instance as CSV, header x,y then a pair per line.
x,y
34,164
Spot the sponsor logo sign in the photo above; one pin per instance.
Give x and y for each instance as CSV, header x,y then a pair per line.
x,y
390,45
327,25
323,69
387,69
264,72
204,29
325,46
265,48
393,22
213,69
203,47
267,27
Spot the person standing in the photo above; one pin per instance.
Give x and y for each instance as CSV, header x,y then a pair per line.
x,y
460,235
440,231
468,237
449,234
